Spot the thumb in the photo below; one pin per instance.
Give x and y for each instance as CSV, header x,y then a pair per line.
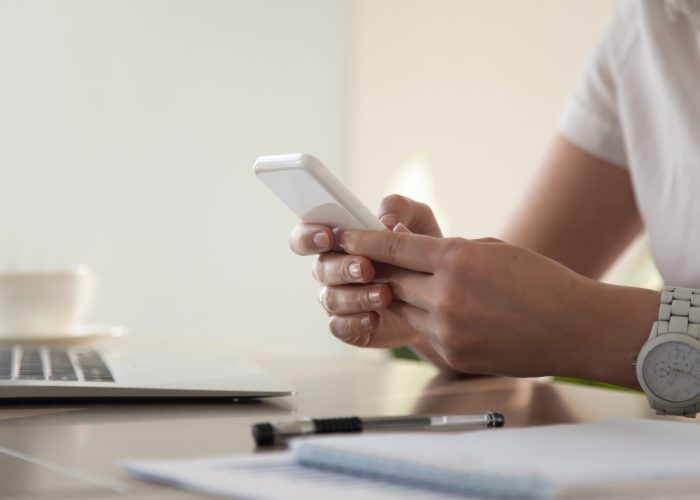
x,y
415,215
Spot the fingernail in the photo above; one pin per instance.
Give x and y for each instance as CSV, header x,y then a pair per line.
x,y
400,228
389,220
321,240
355,270
375,296
365,322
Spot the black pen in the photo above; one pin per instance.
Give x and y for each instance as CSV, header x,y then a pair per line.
x,y
272,433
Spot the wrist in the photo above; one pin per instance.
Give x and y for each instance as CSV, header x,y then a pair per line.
x,y
610,325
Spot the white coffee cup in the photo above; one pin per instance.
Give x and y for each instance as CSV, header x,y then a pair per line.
x,y
36,304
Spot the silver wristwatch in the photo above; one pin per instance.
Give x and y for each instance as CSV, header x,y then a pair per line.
x,y
668,366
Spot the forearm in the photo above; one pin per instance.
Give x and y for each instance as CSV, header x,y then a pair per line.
x,y
580,211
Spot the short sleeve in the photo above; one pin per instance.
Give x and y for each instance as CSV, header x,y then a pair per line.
x,y
591,118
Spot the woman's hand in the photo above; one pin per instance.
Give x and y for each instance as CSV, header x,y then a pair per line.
x,y
486,306
477,306
358,306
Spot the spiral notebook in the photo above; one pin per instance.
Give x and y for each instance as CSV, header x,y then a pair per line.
x,y
625,458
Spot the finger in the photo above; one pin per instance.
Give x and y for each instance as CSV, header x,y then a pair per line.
x,y
416,216
418,318
374,329
334,268
308,239
381,270
354,329
411,251
351,299
407,286
489,240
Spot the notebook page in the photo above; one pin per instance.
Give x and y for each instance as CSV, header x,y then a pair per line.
x,y
534,462
271,476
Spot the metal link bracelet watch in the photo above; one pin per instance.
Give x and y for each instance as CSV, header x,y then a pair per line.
x,y
668,366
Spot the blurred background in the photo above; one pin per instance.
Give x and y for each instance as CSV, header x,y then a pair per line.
x,y
128,130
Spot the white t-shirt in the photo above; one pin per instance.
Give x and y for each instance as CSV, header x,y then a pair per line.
x,y
637,105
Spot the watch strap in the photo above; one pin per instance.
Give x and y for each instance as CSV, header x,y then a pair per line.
x,y
679,312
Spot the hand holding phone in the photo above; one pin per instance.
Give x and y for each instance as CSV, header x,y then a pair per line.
x,y
356,302
313,193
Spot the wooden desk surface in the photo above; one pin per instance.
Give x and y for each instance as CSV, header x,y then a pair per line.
x,y
90,438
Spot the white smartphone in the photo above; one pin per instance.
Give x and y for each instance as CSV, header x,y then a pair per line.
x,y
312,192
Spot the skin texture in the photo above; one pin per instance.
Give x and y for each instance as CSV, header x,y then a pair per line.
x,y
580,211
528,307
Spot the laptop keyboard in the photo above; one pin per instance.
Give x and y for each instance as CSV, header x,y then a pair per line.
x,y
60,364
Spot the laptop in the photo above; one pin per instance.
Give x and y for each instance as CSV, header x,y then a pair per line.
x,y
30,371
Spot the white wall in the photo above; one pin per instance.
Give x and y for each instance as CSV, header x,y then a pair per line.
x,y
128,129
471,88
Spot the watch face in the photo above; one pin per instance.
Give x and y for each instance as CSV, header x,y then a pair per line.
x,y
672,371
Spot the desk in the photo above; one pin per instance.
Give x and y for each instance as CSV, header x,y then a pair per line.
x,y
91,438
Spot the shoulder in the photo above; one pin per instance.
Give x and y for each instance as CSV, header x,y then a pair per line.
x,y
650,28
625,29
